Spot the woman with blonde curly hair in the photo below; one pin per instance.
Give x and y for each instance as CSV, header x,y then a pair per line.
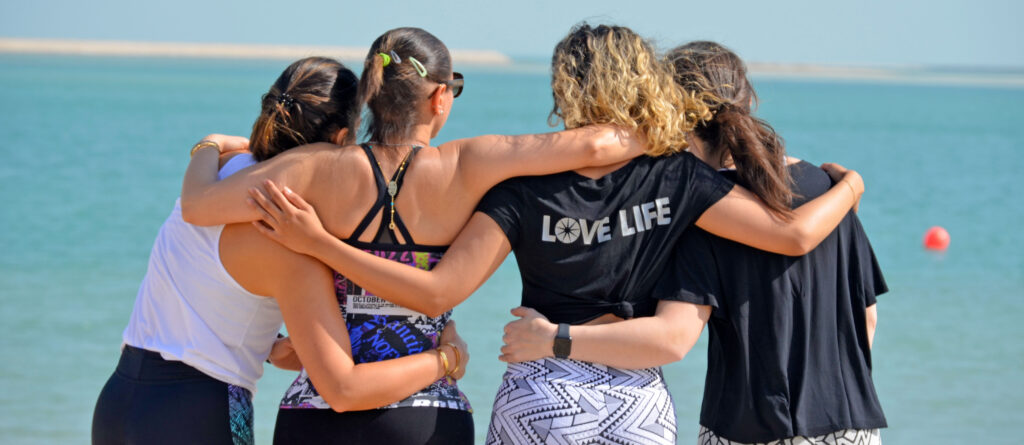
x,y
589,243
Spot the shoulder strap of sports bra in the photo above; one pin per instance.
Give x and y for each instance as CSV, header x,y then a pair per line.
x,y
381,195
392,220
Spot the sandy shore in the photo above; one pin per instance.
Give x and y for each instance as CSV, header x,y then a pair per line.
x,y
908,74
905,75
217,50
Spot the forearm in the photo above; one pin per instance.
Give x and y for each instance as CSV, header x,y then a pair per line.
x,y
478,250
417,289
632,344
200,176
376,384
815,220
742,217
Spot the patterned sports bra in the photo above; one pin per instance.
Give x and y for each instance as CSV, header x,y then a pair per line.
x,y
380,330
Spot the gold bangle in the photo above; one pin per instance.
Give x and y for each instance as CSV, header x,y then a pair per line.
x,y
851,188
203,144
444,361
458,357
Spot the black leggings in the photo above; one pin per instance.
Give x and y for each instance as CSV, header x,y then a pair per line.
x,y
149,400
398,426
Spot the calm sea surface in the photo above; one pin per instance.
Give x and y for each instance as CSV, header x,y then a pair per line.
x,y
93,150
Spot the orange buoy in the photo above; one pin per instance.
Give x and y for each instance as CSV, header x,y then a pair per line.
x,y
936,238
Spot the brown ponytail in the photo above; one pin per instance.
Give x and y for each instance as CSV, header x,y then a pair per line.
x,y
392,92
311,101
752,145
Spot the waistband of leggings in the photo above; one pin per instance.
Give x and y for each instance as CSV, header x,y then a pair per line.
x,y
580,373
142,364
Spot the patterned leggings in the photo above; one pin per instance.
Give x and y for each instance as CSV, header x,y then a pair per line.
x,y
564,401
841,437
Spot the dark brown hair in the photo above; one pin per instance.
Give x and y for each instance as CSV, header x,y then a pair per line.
x,y
310,102
733,133
392,92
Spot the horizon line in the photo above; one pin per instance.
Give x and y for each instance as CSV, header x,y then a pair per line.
x,y
912,74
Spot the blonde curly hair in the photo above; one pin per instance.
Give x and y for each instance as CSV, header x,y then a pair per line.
x,y
611,75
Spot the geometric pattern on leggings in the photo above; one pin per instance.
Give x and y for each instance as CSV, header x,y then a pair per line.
x,y
841,437
240,415
563,401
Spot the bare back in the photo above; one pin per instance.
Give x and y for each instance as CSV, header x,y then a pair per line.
x,y
434,201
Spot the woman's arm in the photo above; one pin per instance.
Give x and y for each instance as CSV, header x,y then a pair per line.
x,y
742,217
484,161
304,291
637,343
474,255
206,201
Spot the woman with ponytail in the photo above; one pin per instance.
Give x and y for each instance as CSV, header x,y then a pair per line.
x,y
590,245
210,306
404,200
789,355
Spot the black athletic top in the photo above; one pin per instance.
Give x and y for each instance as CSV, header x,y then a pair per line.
x,y
788,349
588,247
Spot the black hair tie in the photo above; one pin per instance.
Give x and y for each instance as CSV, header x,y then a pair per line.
x,y
286,100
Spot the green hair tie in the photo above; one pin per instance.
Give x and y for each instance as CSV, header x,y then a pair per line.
x,y
419,67
386,58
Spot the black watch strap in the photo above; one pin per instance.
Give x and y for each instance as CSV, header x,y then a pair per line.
x,y
563,342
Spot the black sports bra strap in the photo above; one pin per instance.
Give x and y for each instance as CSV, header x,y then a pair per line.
x,y
381,195
385,223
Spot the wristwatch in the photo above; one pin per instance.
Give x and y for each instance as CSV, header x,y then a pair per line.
x,y
563,342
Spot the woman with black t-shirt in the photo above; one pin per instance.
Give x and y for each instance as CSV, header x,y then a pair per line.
x,y
789,353
789,356
590,244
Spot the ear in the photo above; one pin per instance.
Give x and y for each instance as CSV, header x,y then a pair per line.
x,y
340,137
437,100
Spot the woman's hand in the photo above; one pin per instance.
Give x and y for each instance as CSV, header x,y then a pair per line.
x,y
288,219
838,173
283,355
451,338
531,337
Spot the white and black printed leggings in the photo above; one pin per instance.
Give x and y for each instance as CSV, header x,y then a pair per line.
x,y
564,401
841,437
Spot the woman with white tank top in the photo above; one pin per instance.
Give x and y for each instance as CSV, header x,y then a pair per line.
x,y
203,324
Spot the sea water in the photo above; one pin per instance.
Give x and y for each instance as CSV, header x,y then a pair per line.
x,y
92,151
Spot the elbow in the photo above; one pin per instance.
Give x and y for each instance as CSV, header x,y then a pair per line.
x,y
434,305
339,398
678,346
595,152
802,243
192,215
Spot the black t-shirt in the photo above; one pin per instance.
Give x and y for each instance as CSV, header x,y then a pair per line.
x,y
588,247
788,350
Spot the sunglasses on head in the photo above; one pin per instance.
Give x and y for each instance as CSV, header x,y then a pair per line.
x,y
455,85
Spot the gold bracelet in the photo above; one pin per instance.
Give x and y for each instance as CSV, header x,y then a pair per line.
x,y
458,357
851,188
444,361
203,144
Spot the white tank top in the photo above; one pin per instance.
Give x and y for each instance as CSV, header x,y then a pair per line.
x,y
190,309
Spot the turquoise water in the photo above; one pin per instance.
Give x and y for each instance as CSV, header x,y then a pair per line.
x,y
93,151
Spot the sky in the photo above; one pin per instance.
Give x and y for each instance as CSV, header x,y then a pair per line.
x,y
947,33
